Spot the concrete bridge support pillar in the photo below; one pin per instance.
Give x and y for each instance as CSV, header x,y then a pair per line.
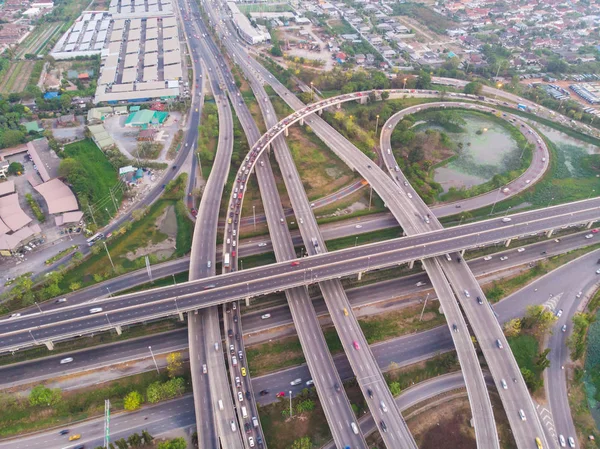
x,y
248,301
119,330
302,121
411,264
359,275
589,225
338,106
462,253
286,131
181,318
549,233
49,345
507,244
320,112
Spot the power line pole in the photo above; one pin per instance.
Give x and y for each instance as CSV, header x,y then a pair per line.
x,y
109,258
92,214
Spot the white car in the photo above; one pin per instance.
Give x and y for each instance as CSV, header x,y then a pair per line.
x,y
503,257
296,382
571,442
96,310
251,441
487,258
66,360
520,250
358,226
504,385
522,415
578,295
262,244
467,294
240,396
265,316
562,441
204,369
589,236
409,195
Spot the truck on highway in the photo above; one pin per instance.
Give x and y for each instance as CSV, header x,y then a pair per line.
x,y
226,260
521,107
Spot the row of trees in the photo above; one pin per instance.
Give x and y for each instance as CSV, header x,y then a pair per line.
x,y
134,440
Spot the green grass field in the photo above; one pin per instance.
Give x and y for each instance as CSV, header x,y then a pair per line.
x,y
95,176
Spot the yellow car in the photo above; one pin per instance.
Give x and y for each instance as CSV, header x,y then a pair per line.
x,y
345,311
243,371
74,437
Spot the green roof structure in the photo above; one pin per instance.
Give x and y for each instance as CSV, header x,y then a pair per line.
x,y
32,126
144,118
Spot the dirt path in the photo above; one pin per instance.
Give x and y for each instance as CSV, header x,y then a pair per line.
x,y
7,77
20,84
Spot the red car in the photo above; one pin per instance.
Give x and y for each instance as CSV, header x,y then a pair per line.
x,y
594,231
280,394
295,263
355,344
194,212
233,253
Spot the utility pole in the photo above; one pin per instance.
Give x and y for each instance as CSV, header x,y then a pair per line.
x,y
92,214
109,258
114,201
149,269
495,201
370,197
423,310
291,392
377,125
155,364
254,215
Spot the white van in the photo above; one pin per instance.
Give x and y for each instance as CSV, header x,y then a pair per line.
x,y
96,310
506,220
255,421
354,428
244,412
220,404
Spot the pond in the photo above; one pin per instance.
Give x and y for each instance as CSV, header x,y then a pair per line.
x,y
492,151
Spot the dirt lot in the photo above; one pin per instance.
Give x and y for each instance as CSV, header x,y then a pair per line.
x,y
292,36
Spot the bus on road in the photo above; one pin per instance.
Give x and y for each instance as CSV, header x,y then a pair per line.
x,y
93,239
226,260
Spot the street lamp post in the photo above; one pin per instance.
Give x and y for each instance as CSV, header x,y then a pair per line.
x,y
506,213
356,241
404,85
108,289
495,201
241,264
550,202
254,215
291,398
423,310
592,192
377,124
40,309
153,359
312,92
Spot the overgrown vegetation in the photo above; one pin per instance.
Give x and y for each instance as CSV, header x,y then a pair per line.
x,y
208,134
46,407
91,175
35,208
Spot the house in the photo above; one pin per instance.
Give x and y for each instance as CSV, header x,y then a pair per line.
x,y
340,57
67,120
359,58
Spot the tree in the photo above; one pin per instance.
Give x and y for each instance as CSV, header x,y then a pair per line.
x,y
276,51
147,437
302,443
531,380
473,88
424,81
539,319
44,396
74,286
11,137
174,364
176,443
395,388
132,401
513,327
121,444
385,95
15,168
542,361
134,440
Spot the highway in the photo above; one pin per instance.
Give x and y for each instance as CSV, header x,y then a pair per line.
x,y
106,355
402,351
135,307
539,163
337,411
490,337
213,425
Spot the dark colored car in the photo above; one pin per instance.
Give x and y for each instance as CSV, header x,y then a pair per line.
x,y
337,387
264,392
247,395
479,301
235,318
230,333
63,432
383,426
370,393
